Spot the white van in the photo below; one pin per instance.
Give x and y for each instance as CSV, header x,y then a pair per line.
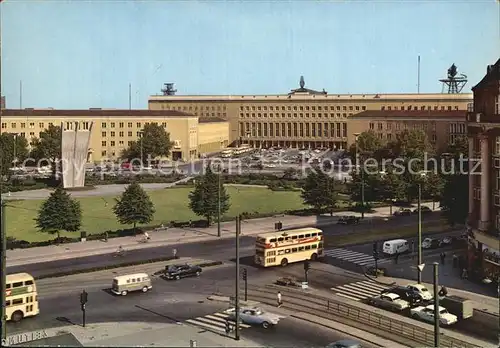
x,y
122,285
395,246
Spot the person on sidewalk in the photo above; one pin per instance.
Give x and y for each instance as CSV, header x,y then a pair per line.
x,y
464,274
174,253
442,256
146,236
280,303
396,258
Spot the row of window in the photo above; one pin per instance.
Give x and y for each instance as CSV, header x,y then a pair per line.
x,y
293,129
301,115
194,108
458,128
18,284
139,125
294,250
295,237
121,134
113,143
403,125
422,107
303,108
20,301
389,137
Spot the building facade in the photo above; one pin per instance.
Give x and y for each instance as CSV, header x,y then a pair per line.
x,y
303,117
441,126
483,128
113,130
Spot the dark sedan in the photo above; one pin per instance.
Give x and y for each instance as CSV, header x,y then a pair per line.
x,y
408,295
181,271
403,212
348,220
423,209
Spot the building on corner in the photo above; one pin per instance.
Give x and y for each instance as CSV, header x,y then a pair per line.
x,y
483,126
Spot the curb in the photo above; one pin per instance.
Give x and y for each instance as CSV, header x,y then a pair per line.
x,y
122,265
337,329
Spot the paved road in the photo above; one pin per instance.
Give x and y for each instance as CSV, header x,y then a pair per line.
x,y
218,249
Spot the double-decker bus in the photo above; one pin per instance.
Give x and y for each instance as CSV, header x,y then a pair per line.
x,y
284,247
21,297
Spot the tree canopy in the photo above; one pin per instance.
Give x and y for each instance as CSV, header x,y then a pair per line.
x,y
155,142
59,213
320,191
368,145
48,145
7,144
204,199
134,206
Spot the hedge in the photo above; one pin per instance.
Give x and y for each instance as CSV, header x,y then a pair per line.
x,y
120,265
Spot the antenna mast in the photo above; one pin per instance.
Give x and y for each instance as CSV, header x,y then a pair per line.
x,y
20,94
418,76
130,96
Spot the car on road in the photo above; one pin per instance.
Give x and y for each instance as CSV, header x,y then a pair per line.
x,y
422,291
427,314
348,220
389,301
430,243
406,294
254,316
347,343
423,209
287,281
447,240
181,271
403,212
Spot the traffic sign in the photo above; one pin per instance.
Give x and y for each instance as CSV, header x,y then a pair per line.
x,y
421,267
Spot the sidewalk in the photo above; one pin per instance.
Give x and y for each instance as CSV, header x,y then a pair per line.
x,y
131,334
172,237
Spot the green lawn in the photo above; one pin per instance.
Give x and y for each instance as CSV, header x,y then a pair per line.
x,y
171,204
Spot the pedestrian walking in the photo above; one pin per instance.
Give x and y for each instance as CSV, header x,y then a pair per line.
x,y
174,253
396,258
280,303
442,256
455,260
464,274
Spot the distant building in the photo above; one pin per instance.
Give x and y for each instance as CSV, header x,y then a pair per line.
x,y
441,126
114,129
483,128
303,117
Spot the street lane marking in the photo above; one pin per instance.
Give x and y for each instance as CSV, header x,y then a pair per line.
x,y
359,290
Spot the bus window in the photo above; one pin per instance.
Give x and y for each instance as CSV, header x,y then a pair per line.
x,y
281,252
294,237
301,248
28,282
280,239
294,250
272,240
7,303
301,236
287,238
314,246
308,235
287,251
308,247
320,244
17,301
17,285
320,233
7,286
314,234
271,253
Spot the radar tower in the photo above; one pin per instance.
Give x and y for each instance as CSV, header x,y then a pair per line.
x,y
454,82
168,89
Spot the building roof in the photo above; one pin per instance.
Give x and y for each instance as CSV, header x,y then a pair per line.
x,y
417,114
492,74
210,119
93,113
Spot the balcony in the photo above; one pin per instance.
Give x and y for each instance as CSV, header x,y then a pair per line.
x,y
480,118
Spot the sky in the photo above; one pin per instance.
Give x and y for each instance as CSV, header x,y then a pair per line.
x,y
82,54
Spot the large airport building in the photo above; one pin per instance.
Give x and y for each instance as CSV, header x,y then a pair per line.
x,y
302,118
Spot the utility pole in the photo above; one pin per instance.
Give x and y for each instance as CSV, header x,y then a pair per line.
x,y
141,133
245,279
356,135
218,203
436,306
419,234
375,257
4,269
237,297
83,302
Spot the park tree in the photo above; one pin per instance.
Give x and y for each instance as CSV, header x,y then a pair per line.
x,y
455,192
13,150
391,188
368,145
432,186
154,142
59,213
47,147
320,191
134,206
369,191
208,190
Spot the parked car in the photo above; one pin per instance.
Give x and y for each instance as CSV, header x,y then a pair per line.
x,y
345,344
447,240
181,271
422,291
254,316
348,220
287,281
424,209
427,314
402,212
430,243
408,295
389,301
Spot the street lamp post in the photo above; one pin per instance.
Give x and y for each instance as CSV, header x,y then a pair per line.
x,y
218,203
141,133
15,149
356,135
419,234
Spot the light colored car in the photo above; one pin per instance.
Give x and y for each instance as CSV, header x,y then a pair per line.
x,y
422,290
389,301
427,314
255,316
447,240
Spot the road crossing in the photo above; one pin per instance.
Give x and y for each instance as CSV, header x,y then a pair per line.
x,y
214,322
360,259
359,291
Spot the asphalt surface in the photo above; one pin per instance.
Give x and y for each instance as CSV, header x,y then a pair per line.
x,y
217,250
